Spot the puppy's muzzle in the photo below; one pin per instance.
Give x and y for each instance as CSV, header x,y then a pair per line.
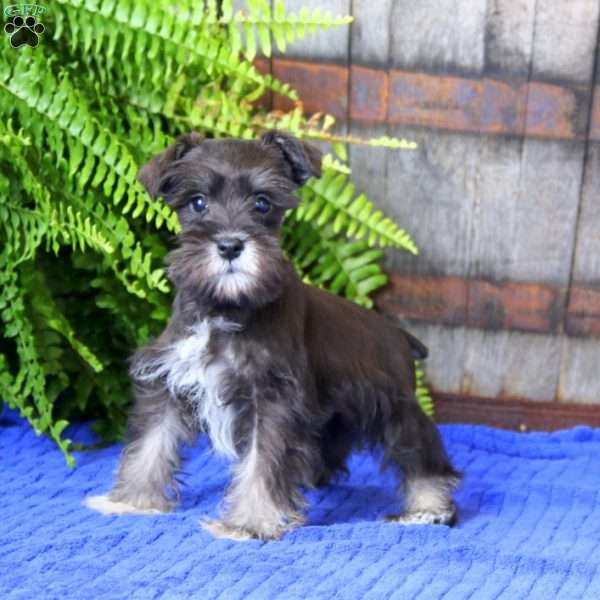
x,y
230,248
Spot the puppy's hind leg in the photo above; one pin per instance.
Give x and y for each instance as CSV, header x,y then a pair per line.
x,y
413,443
337,440
150,459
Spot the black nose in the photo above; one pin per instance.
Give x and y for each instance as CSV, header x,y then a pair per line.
x,y
230,248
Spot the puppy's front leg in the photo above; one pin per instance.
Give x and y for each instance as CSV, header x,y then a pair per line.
x,y
260,503
148,463
264,501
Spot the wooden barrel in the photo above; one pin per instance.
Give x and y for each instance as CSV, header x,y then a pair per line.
x,y
502,194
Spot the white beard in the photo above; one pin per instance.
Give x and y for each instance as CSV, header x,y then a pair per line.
x,y
237,278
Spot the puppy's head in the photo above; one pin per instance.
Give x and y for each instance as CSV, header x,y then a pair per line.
x,y
230,196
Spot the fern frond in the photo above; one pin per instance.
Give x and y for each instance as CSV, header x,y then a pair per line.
x,y
27,389
44,305
347,268
6,380
422,391
50,219
332,199
152,32
59,225
318,127
331,163
131,263
258,23
99,158
92,148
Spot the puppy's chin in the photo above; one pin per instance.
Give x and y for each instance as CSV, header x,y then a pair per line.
x,y
233,287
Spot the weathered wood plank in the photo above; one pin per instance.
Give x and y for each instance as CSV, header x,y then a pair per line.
x,y
369,90
483,304
524,226
368,165
526,222
394,178
565,39
441,300
594,133
519,414
521,181
261,62
439,36
445,102
579,381
496,208
321,87
370,34
586,268
526,210
583,311
331,45
430,191
508,37
511,364
369,44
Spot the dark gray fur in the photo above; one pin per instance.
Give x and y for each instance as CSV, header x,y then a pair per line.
x,y
300,376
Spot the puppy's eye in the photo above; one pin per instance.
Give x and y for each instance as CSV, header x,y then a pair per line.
x,y
199,203
262,204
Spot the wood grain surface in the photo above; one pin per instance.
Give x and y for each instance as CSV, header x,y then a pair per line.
x,y
502,194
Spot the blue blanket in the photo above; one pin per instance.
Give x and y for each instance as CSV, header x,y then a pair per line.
x,y
529,529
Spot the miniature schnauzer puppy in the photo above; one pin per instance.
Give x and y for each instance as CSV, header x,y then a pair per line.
x,y
286,379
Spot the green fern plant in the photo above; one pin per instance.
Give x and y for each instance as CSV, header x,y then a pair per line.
x,y
81,243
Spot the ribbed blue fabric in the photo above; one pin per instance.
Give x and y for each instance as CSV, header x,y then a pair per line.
x,y
529,528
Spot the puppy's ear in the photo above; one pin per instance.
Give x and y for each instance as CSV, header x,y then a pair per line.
x,y
304,160
151,175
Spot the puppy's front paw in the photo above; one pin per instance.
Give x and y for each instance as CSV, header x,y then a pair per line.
x,y
264,531
109,505
423,517
223,530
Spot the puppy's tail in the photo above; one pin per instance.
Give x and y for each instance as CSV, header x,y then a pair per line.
x,y
418,348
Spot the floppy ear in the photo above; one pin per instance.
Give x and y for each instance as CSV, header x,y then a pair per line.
x,y
152,173
303,159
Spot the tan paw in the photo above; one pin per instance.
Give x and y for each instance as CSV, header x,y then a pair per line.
x,y
108,506
424,517
262,531
223,530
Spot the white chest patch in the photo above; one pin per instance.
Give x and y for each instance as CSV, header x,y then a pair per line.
x,y
188,373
